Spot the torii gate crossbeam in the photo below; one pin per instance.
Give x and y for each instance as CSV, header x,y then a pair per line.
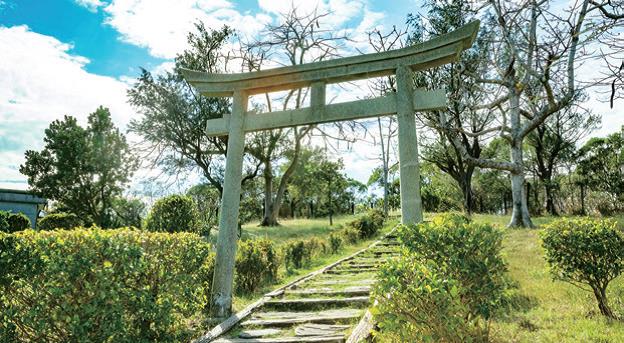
x,y
404,103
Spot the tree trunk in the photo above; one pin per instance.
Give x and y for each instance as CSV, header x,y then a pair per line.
x,y
268,219
603,305
466,186
550,198
274,203
583,211
519,210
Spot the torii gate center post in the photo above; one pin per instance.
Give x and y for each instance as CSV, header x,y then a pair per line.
x,y
404,103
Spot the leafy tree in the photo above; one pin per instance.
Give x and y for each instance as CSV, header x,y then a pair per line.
x,y
173,125
174,213
601,165
463,93
207,199
553,143
128,212
83,169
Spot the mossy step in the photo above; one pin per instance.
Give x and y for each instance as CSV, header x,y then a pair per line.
x,y
309,303
259,333
310,329
291,318
335,281
352,290
308,339
351,270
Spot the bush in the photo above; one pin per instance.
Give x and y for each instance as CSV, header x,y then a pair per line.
x,y
368,225
335,242
94,285
61,220
350,234
586,251
472,254
4,222
18,222
256,265
174,213
416,302
296,255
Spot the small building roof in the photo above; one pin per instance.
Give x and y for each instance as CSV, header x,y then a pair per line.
x,y
21,196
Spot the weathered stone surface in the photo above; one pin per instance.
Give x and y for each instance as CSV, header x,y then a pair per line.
x,y
319,329
322,339
308,303
258,333
291,318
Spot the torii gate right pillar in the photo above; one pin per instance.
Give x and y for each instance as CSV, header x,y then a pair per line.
x,y
411,202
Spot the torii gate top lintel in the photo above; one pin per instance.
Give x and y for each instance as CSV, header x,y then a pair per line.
x,y
404,103
437,51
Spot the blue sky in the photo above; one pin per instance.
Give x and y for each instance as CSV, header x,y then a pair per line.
x,y
70,56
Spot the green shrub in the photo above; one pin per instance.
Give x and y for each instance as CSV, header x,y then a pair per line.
x,y
417,302
450,219
257,263
350,234
335,243
94,285
18,222
472,254
296,255
174,213
368,224
59,220
4,221
586,251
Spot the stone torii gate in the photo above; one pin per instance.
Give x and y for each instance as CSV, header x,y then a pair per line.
x,y
404,103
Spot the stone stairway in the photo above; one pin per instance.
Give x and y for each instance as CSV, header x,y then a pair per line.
x,y
325,306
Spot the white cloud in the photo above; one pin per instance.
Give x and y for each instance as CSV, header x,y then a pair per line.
x,y
91,5
161,26
41,82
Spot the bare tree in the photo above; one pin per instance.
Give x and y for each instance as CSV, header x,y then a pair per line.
x,y
534,73
297,39
463,93
387,127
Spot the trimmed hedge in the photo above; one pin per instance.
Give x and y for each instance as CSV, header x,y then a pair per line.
x,y
18,222
94,285
586,251
4,221
12,222
61,220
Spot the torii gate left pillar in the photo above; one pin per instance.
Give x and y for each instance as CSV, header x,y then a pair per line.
x,y
440,50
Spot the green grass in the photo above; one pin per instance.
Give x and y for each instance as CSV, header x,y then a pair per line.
x,y
291,229
547,310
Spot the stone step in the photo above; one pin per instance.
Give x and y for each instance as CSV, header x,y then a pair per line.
x,y
351,270
307,339
292,318
258,333
353,290
309,303
333,281
311,329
